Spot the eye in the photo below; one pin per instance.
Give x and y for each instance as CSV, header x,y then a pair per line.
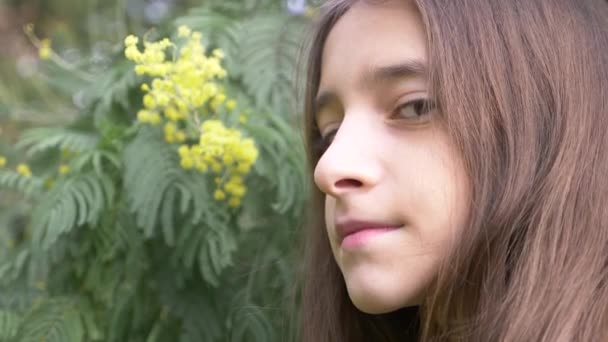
x,y
321,144
415,110
329,137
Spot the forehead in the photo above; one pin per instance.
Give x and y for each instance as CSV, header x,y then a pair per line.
x,y
371,34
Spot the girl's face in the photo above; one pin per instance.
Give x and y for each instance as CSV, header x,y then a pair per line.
x,y
389,163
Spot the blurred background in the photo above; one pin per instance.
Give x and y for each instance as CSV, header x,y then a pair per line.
x,y
106,234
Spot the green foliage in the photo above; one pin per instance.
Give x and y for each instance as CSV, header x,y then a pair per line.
x,y
52,320
41,139
9,325
116,242
267,74
70,204
14,181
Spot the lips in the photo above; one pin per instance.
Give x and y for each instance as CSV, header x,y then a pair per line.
x,y
345,227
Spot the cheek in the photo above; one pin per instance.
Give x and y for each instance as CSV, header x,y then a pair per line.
x,y
433,191
446,200
330,210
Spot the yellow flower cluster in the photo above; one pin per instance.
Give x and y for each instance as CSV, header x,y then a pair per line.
x,y
64,169
173,133
24,170
44,50
44,45
185,84
311,12
228,155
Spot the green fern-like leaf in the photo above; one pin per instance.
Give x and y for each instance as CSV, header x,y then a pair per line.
x,y
36,140
262,51
97,159
18,297
159,191
269,72
29,186
205,20
56,320
92,327
151,171
71,203
9,325
192,307
221,31
114,88
12,268
251,324
215,253
161,194
121,317
282,162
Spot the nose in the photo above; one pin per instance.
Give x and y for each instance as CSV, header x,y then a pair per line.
x,y
351,162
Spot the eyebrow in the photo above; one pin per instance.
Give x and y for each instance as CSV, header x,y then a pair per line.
x,y
389,73
374,76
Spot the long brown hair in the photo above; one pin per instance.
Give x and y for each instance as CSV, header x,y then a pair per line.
x,y
521,86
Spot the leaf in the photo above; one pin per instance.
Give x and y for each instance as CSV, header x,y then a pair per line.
x,y
251,325
9,325
40,139
55,320
99,159
262,50
188,245
113,88
281,163
29,186
92,328
206,268
120,318
269,73
167,217
154,183
216,249
71,203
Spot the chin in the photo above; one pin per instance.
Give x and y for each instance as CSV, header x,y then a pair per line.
x,y
376,305
375,308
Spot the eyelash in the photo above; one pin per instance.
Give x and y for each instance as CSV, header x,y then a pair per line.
x,y
421,107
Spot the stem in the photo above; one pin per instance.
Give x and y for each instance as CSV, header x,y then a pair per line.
x,y
58,60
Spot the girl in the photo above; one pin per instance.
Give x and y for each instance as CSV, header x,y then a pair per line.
x,y
460,151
